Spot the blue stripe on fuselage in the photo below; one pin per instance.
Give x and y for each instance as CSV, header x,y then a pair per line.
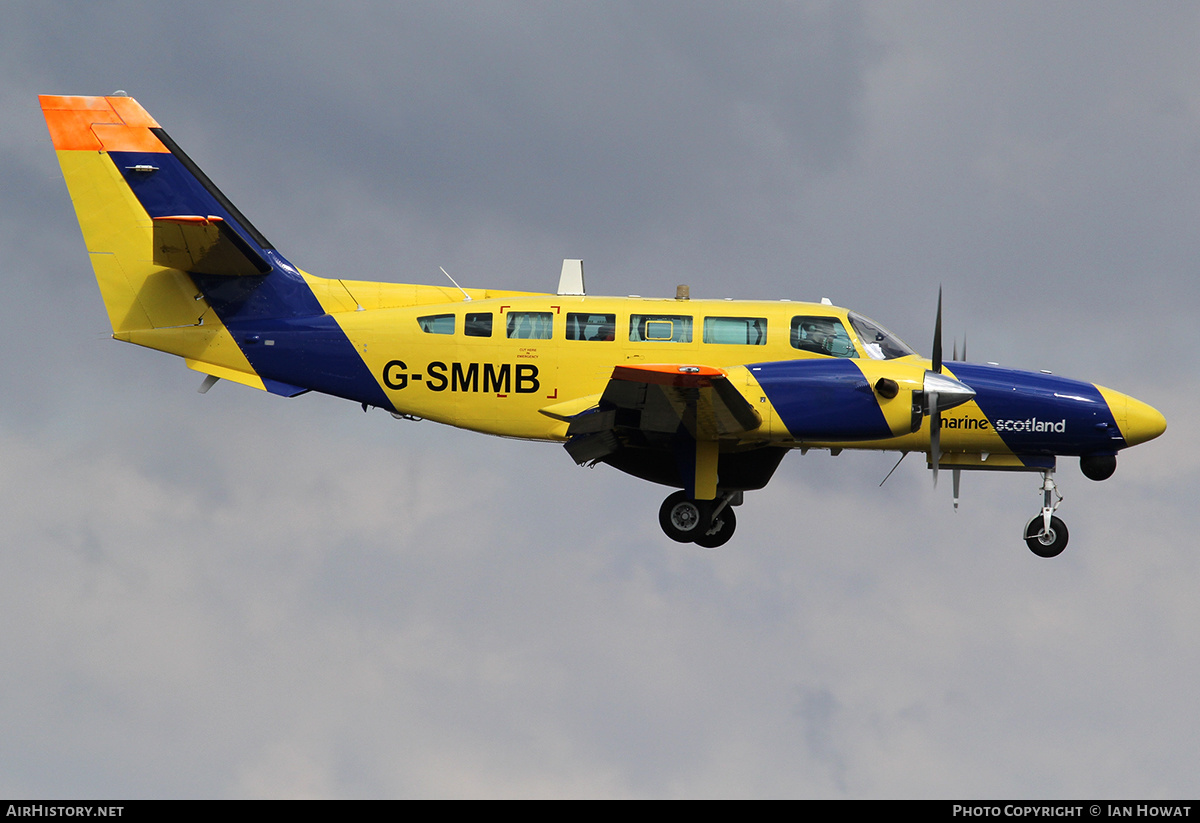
x,y
1041,413
310,352
822,399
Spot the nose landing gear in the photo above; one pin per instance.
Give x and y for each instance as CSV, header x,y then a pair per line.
x,y
1045,534
707,523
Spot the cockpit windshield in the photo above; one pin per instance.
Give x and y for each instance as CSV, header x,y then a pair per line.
x,y
878,342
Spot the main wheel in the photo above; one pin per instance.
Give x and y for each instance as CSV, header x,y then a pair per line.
x,y
719,533
1046,544
681,517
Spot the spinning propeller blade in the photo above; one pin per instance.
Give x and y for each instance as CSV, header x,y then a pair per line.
x,y
937,336
935,434
955,356
941,392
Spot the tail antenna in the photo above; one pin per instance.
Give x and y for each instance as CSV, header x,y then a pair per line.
x,y
466,297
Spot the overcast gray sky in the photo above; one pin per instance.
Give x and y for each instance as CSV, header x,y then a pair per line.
x,y
236,595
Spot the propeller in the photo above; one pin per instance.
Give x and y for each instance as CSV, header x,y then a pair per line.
x,y
937,336
942,392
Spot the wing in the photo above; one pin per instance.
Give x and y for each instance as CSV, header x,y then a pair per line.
x,y
658,406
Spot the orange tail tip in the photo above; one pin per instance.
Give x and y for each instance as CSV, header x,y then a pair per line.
x,y
99,124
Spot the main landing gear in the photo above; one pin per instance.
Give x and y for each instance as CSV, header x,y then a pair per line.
x,y
707,523
1045,534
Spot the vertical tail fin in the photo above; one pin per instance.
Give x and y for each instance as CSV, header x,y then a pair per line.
x,y
174,258
118,232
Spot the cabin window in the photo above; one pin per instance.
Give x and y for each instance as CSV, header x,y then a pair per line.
x,y
437,324
738,331
665,328
530,325
583,326
878,342
478,325
822,335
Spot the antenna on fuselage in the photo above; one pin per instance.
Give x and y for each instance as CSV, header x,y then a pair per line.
x,y
889,474
460,288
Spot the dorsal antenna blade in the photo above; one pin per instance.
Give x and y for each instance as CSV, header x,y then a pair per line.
x,y
460,288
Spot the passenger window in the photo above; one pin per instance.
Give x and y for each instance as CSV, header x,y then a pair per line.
x,y
437,324
666,328
738,331
478,325
581,326
822,335
530,325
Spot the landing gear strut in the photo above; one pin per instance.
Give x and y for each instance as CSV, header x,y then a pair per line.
x,y
1045,534
707,523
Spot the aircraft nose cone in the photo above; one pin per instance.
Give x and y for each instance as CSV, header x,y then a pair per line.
x,y
1142,422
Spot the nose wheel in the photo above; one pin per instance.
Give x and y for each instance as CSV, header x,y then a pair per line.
x,y
1045,534
1046,542
707,523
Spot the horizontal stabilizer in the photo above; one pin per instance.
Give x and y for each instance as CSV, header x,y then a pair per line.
x,y
205,245
235,375
245,378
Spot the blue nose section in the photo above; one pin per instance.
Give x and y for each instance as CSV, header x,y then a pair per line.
x,y
1042,413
